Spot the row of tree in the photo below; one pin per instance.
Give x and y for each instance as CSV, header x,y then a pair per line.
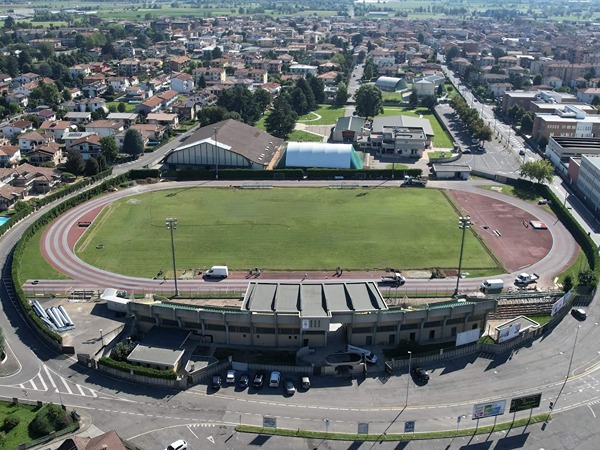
x,y
477,127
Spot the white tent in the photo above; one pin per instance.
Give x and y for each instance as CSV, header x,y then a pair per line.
x,y
319,154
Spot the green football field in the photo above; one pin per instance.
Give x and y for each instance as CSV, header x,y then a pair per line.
x,y
280,229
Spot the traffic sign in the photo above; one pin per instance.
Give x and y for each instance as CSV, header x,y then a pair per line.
x,y
524,403
409,426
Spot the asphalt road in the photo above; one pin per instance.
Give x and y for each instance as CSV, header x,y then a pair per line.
x,y
155,417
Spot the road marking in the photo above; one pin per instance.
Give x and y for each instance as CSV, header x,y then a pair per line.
x,y
33,384
66,385
50,377
42,381
80,390
593,413
211,439
188,427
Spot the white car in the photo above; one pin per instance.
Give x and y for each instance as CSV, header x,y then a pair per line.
x,y
230,378
178,445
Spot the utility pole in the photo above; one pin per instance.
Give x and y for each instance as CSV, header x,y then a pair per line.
x,y
171,224
463,223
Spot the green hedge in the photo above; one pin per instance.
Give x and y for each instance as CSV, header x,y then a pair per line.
x,y
139,174
235,174
40,223
289,174
352,174
137,370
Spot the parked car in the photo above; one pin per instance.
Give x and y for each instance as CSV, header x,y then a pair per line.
x,y
305,383
274,379
420,374
230,378
244,381
290,389
579,313
216,382
522,152
259,380
466,152
178,445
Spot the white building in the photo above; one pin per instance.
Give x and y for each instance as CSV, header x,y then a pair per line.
x,y
322,155
588,181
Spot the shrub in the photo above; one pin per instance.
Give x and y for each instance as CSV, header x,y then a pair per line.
x,y
49,419
138,370
10,422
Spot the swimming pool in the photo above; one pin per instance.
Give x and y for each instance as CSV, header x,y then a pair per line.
x,y
4,219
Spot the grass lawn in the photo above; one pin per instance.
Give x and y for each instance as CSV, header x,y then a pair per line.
x,y
303,136
329,115
441,139
128,106
393,96
20,434
34,266
282,229
261,123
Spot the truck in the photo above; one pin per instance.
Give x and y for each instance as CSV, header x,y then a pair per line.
x,y
395,278
369,356
492,286
525,279
217,272
414,181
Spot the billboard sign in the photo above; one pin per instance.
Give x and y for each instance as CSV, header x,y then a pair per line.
x,y
509,333
466,337
525,402
558,305
489,409
409,426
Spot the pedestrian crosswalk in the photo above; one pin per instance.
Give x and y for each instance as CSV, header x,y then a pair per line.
x,y
48,380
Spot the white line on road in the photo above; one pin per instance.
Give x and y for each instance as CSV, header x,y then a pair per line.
x,y
33,385
43,382
188,427
80,390
593,413
66,385
50,377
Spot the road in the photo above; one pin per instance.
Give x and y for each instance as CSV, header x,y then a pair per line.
x,y
153,417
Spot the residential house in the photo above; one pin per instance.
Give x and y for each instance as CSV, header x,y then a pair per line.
x,y
183,83
105,127
127,118
587,94
28,77
152,105
186,110
70,137
31,139
92,104
167,98
258,76
94,89
16,128
154,132
168,120
78,117
303,69
89,146
46,114
80,70
328,78
35,180
212,75
58,128
19,98
424,88
51,152
178,63
9,155
119,84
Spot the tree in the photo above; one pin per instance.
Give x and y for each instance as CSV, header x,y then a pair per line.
x,y
567,283
9,23
317,87
121,107
527,122
299,102
356,39
74,163
341,95
413,100
369,100
540,171
429,101
201,82
211,114
282,120
263,99
587,278
216,53
132,143
302,83
102,164
452,53
240,100
109,148
91,167
537,80
368,71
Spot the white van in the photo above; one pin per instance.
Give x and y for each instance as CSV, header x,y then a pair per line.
x,y
370,357
492,286
217,272
274,379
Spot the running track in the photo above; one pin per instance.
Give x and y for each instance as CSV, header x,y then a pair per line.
x,y
60,237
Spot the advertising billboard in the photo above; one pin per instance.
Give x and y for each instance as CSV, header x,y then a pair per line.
x,y
558,305
466,337
489,409
509,333
526,402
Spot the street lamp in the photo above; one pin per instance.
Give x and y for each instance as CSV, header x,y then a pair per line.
x,y
101,337
215,129
463,223
408,378
553,404
171,224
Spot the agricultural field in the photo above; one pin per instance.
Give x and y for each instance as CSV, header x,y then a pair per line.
x,y
280,229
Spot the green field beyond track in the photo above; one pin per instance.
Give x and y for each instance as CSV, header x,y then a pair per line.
x,y
280,229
